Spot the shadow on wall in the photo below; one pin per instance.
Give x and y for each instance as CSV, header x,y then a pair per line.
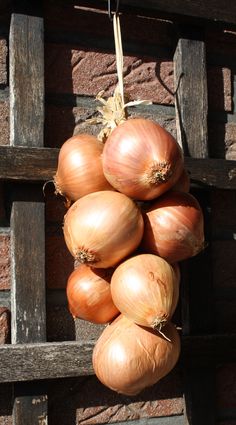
x,y
86,400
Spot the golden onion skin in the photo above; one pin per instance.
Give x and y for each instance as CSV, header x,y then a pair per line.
x,y
128,358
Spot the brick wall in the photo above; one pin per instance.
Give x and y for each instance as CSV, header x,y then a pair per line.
x,y
79,62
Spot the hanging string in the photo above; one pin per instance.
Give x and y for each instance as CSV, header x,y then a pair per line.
x,y
114,110
119,55
109,9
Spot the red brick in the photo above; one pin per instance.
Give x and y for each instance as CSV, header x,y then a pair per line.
x,y
219,88
4,261
73,70
4,325
4,123
3,61
59,262
94,404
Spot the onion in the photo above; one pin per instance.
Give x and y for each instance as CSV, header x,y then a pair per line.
x,y
102,228
79,170
141,159
145,288
174,227
128,358
183,183
89,294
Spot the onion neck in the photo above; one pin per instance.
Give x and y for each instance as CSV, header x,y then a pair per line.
x,y
158,324
85,256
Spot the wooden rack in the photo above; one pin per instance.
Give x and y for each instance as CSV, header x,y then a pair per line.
x,y
30,357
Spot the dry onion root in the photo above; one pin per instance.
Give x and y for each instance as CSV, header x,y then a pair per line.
x,y
79,169
145,289
102,228
128,358
89,294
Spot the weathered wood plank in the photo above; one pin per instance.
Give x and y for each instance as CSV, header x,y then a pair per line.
x,y
26,362
215,10
21,163
209,172
30,410
28,277
191,117
191,97
39,164
26,63
28,305
49,360
26,80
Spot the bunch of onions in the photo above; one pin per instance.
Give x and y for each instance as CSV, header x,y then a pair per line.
x,y
79,169
174,227
128,358
102,228
141,159
89,294
145,289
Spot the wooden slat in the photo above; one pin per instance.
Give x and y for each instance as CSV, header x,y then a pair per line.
x,y
191,97
39,164
26,362
28,277
215,10
49,360
26,64
26,80
34,164
191,114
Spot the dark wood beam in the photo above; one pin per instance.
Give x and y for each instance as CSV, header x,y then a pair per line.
x,y
49,360
39,164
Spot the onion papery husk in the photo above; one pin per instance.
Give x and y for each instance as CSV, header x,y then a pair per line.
x,y
89,294
102,228
141,159
128,358
173,227
79,171
145,288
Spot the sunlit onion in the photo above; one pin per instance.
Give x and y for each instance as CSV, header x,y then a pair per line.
x,y
174,227
89,294
145,288
142,159
79,170
102,228
128,358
